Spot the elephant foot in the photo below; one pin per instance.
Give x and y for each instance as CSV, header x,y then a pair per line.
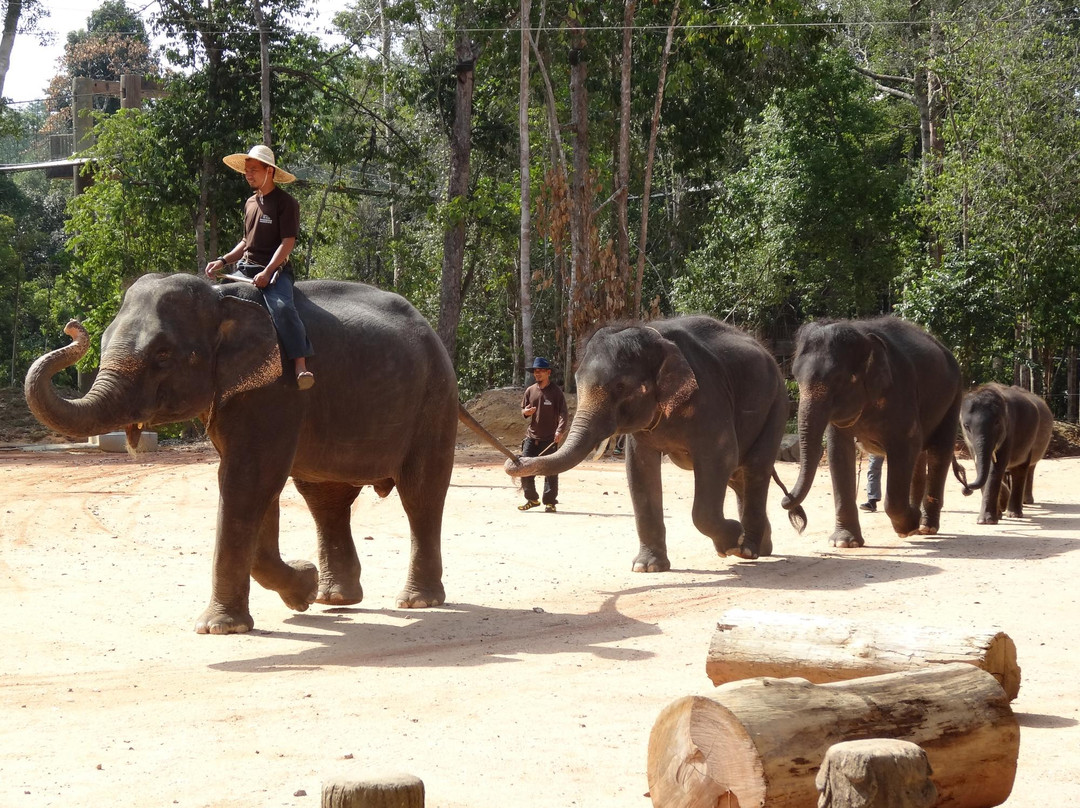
x,y
1015,514
987,520
219,620
416,598
332,593
649,560
742,551
303,589
845,539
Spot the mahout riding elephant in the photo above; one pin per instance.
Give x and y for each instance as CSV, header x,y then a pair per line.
x,y
896,390
1007,430
702,392
383,414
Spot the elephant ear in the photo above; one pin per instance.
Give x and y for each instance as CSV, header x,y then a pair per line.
x,y
675,382
877,372
247,353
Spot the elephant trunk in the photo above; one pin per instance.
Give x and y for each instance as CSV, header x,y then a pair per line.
x,y
985,455
97,412
813,418
590,426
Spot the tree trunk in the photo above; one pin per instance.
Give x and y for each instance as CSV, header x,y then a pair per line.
x,y
393,791
7,41
749,643
457,193
761,741
649,159
264,70
1071,391
525,247
622,175
580,187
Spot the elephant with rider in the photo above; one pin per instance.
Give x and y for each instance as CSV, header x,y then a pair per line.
x,y
1007,431
894,389
699,391
383,414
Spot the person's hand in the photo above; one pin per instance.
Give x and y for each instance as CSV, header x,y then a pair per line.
x,y
262,280
215,268
528,411
559,437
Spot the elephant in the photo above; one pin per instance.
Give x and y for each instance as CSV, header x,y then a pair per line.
x,y
1007,430
383,414
702,392
893,388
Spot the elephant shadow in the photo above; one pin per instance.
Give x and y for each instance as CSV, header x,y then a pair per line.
x,y
827,572
1009,540
454,635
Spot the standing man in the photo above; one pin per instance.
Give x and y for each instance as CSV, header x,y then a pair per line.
x,y
271,224
545,407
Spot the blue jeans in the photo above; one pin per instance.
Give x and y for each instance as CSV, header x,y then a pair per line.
x,y
531,448
278,297
873,477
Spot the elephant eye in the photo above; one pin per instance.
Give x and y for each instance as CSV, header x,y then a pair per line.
x,y
163,356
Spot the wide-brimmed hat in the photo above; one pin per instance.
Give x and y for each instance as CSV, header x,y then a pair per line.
x,y
264,154
539,363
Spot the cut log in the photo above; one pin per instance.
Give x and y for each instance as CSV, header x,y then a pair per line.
x,y
390,791
875,773
750,643
760,742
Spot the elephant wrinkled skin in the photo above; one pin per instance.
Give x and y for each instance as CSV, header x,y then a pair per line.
x,y
894,389
1007,430
704,393
383,413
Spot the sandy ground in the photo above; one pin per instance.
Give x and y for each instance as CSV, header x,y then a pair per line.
x,y
536,685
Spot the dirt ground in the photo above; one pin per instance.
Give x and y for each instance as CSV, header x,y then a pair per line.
x,y
536,685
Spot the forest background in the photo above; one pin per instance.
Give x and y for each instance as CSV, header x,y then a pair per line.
x,y
524,170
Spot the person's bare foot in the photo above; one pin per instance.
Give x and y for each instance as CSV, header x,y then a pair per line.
x,y
305,379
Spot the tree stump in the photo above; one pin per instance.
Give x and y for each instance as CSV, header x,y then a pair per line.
x,y
390,791
875,773
761,741
750,643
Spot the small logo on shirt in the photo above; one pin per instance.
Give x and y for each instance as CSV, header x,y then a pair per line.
x,y
264,219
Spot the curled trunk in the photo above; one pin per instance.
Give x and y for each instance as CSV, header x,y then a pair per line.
x,y
985,455
813,418
588,429
95,413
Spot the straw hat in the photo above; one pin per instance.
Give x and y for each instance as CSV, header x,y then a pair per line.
x,y
263,154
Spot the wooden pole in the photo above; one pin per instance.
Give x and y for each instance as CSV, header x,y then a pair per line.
x,y
749,643
390,791
761,741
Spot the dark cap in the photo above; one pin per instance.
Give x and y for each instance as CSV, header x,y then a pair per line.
x,y
539,363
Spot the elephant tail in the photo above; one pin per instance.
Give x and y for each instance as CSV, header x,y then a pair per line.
x,y
796,514
466,418
961,475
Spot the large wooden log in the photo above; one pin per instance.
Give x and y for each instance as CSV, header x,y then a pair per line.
x,y
388,791
760,742
749,643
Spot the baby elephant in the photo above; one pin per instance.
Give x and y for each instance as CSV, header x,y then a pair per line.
x,y
1007,429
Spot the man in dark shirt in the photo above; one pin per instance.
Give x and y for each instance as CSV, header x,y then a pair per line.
x,y
545,407
271,224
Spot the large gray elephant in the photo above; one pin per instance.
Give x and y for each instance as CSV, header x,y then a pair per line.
x,y
702,392
383,414
895,389
1007,430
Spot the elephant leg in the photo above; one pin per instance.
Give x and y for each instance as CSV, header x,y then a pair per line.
x,y
1019,476
752,490
1029,486
294,581
900,467
841,447
339,567
647,497
422,486
939,457
711,476
995,492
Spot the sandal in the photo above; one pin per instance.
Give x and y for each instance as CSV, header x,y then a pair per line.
x,y
305,379
549,508
529,504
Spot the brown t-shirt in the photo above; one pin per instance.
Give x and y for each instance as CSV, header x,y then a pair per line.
x,y
267,220
551,411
